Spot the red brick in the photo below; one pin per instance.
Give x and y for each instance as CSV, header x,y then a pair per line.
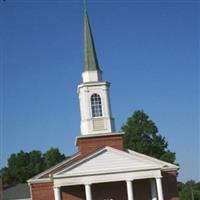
x,y
42,191
90,144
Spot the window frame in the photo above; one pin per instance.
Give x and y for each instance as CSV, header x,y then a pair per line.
x,y
96,105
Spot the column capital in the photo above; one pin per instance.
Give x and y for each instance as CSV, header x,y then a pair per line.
x,y
89,184
129,180
158,177
56,187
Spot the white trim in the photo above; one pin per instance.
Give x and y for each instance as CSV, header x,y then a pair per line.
x,y
165,165
100,172
41,180
102,178
94,83
167,169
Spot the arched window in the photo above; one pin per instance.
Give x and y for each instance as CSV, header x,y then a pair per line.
x,y
96,105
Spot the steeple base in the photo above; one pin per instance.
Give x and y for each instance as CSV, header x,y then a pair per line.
x,y
92,142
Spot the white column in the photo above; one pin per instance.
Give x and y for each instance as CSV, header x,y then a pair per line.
x,y
159,188
129,190
57,193
88,192
153,189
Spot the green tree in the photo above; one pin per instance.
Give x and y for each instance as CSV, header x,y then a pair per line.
x,y
190,191
141,135
24,165
52,157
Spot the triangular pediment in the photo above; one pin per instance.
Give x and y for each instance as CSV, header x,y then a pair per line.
x,y
109,160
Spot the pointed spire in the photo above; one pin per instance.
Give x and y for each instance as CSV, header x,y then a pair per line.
x,y
90,57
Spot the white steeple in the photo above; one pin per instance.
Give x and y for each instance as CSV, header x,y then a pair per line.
x,y
96,115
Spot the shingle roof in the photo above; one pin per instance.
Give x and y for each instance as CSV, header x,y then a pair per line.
x,y
56,167
19,191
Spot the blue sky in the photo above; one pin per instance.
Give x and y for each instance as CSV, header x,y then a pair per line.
x,y
148,50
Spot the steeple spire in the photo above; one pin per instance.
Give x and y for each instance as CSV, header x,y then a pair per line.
x,y
90,57
96,115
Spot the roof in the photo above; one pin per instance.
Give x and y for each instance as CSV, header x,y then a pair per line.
x,y
19,191
110,165
103,160
90,57
45,175
110,160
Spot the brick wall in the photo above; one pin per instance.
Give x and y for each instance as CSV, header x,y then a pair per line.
x,y
90,144
42,191
169,182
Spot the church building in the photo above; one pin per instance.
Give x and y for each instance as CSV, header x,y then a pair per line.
x,y
102,169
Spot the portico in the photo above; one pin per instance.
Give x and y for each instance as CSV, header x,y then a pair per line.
x,y
125,171
127,186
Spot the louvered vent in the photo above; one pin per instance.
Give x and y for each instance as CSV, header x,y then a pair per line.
x,y
98,124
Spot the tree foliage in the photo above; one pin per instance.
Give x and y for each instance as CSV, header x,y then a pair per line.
x,y
24,165
141,135
189,190
52,157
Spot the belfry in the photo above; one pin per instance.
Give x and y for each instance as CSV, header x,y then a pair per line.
x,y
96,115
102,169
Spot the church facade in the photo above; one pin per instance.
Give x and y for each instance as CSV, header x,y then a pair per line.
x,y
102,169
